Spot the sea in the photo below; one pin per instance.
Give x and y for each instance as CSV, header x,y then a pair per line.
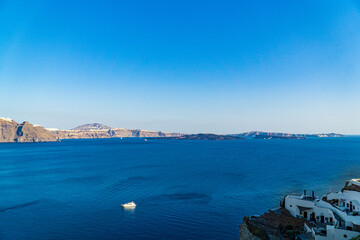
x,y
184,189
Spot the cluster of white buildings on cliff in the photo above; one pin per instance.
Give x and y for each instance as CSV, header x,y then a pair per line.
x,y
334,217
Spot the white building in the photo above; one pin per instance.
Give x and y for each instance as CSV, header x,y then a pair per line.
x,y
334,217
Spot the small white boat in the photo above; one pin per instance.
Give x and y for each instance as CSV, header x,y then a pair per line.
x,y
129,205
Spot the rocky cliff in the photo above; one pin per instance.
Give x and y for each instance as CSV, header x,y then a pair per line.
x,y
246,234
97,130
11,131
275,224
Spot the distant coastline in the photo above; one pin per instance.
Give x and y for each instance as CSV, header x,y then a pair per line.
x,y
11,131
277,135
203,136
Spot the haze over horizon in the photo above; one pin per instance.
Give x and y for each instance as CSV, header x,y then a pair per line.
x,y
204,66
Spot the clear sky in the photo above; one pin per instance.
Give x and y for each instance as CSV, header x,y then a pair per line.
x,y
184,66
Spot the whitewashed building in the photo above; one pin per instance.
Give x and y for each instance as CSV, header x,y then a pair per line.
x,y
335,216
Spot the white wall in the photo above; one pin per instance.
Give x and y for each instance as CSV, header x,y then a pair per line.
x,y
292,203
339,234
322,208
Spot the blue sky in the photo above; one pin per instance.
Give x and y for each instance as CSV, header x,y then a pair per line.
x,y
186,66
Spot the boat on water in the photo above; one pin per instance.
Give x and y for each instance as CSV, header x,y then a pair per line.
x,y
129,205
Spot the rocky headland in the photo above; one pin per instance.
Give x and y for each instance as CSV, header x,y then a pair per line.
x,y
11,131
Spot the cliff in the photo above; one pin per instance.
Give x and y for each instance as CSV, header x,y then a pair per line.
x,y
97,130
246,234
275,224
11,131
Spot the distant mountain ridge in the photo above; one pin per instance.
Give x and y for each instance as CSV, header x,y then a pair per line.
x,y
98,130
92,126
11,131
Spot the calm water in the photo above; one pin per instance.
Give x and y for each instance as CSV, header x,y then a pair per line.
x,y
184,189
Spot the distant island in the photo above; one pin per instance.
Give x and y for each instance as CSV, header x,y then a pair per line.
x,y
11,131
267,136
203,136
276,135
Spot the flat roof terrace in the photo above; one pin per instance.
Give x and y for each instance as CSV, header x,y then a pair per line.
x,y
302,197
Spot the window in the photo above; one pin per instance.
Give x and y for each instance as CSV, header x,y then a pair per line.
x,y
347,205
331,219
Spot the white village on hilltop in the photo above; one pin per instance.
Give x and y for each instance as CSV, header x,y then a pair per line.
x,y
336,216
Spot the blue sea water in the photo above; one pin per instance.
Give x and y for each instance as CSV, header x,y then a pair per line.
x,y
184,189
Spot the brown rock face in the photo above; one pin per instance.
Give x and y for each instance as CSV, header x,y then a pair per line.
x,y
11,131
110,133
279,224
98,130
7,130
246,234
